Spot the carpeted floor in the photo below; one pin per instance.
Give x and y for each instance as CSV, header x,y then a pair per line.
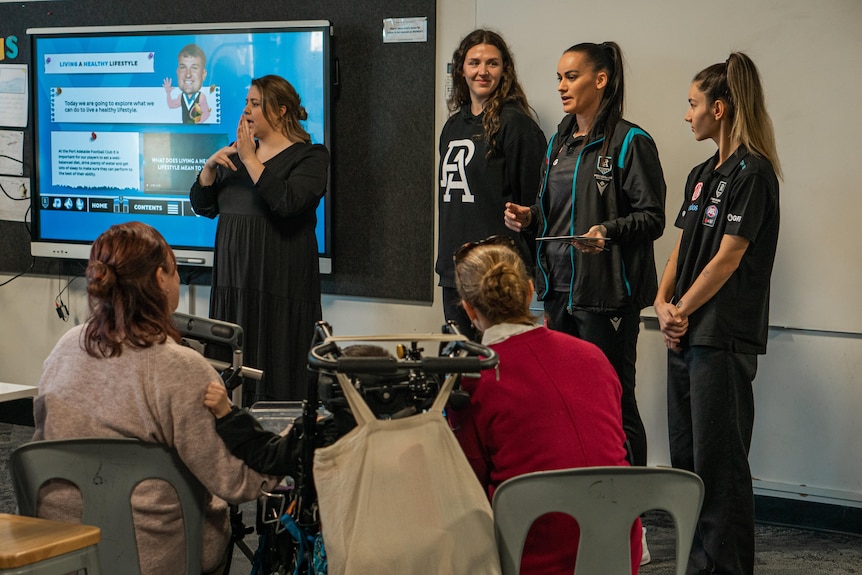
x,y
780,550
11,436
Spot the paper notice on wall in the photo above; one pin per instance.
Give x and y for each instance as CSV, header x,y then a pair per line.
x,y
11,153
13,95
405,30
14,198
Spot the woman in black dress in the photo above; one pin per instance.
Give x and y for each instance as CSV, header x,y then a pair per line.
x,y
266,187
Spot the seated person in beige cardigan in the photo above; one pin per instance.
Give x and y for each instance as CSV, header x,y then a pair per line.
x,y
123,373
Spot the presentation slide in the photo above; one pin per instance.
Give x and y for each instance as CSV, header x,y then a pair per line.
x,y
125,119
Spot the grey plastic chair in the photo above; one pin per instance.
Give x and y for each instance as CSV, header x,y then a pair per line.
x,y
605,501
106,471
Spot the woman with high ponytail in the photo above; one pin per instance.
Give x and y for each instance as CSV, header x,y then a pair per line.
x,y
713,305
553,403
602,182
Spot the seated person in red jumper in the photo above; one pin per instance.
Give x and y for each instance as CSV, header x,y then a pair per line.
x,y
554,405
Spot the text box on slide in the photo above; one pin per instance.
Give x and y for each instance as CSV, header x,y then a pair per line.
x,y
84,159
100,63
120,106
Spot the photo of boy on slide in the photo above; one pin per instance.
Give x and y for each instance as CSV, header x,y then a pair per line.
x,y
191,72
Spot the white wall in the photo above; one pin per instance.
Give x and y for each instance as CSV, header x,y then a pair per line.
x,y
806,388
808,56
807,425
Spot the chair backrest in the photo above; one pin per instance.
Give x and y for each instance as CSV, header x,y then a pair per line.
x,y
605,501
106,471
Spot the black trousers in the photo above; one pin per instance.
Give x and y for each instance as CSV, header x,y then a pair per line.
x,y
617,337
710,421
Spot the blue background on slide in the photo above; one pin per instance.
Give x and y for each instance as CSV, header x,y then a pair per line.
x,y
233,58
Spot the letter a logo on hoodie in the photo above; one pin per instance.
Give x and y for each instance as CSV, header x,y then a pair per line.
x,y
453,175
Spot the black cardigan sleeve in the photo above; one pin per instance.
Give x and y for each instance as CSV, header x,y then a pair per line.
x,y
262,450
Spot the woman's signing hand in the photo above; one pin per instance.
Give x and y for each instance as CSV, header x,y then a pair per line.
x,y
222,157
245,141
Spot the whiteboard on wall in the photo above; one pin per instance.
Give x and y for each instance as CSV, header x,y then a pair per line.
x,y
808,55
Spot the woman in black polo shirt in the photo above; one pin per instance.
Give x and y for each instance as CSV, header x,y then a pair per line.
x,y
713,306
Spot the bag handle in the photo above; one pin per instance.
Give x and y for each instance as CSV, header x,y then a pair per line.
x,y
443,395
363,414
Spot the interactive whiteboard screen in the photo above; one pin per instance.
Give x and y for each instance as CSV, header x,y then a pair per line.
x,y
125,117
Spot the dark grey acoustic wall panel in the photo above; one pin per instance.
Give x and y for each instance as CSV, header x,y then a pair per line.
x,y
382,131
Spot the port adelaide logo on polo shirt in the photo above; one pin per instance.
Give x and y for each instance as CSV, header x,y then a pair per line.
x,y
718,192
604,165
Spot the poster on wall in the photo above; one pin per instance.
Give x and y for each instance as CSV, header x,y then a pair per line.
x,y
13,95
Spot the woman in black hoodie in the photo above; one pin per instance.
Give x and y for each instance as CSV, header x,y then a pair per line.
x,y
490,153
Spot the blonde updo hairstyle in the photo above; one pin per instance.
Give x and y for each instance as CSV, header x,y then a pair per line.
x,y
494,281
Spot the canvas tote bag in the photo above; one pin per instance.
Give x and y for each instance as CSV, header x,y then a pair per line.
x,y
399,496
